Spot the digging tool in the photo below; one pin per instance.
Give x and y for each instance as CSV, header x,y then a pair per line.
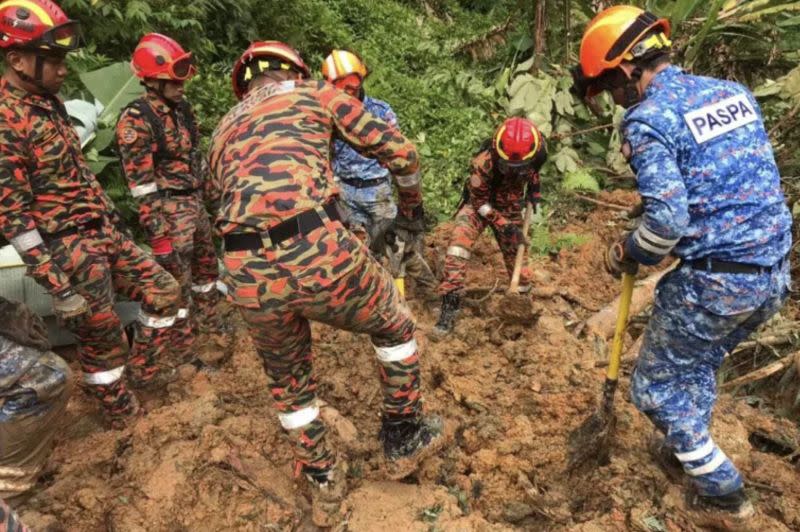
x,y
590,444
396,254
526,224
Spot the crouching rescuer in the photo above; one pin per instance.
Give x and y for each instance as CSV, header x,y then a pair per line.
x,y
289,259
712,197
504,176
35,385
60,221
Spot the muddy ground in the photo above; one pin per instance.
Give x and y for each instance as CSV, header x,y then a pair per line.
x,y
210,454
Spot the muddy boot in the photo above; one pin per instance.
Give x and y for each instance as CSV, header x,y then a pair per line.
x,y
728,512
409,440
120,406
153,378
665,458
328,490
447,318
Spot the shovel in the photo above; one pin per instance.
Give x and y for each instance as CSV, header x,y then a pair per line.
x,y
516,307
590,444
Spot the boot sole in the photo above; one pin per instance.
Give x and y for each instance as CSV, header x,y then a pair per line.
x,y
402,467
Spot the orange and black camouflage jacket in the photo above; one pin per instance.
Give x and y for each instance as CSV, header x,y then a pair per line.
x,y
45,184
494,197
137,148
270,155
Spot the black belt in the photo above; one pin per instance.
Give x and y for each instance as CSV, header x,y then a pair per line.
x,y
723,266
365,183
302,224
172,192
92,225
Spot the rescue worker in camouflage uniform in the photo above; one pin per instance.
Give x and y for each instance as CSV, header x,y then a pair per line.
x,y
59,219
9,520
158,143
366,185
712,197
504,176
35,386
290,260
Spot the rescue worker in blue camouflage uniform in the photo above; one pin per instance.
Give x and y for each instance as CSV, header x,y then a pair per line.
x,y
366,185
712,197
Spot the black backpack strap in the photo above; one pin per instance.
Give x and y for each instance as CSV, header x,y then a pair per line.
x,y
185,109
156,128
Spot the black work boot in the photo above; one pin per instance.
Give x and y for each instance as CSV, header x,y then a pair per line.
x,y
726,512
451,302
409,440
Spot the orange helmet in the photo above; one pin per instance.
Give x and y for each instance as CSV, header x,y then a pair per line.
x,y
341,63
518,146
615,35
160,57
262,56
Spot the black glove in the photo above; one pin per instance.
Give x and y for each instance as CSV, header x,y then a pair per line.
x,y
513,234
617,261
413,222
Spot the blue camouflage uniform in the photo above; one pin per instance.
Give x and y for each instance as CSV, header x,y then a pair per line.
x,y
371,207
711,190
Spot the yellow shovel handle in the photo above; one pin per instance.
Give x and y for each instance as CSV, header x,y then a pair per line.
x,y
622,322
400,283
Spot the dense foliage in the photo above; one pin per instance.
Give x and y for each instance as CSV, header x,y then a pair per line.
x,y
453,68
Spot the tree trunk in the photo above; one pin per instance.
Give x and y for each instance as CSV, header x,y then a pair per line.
x,y
539,34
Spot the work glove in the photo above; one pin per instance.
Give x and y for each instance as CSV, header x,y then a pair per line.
x,y
412,223
618,262
163,251
69,305
513,234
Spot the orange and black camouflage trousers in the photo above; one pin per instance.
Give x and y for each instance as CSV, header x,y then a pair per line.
x,y
468,228
195,269
327,276
99,264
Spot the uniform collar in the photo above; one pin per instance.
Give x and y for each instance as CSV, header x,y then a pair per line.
x,y
661,79
38,100
158,103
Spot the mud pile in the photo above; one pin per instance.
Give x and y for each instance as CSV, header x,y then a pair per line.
x,y
210,454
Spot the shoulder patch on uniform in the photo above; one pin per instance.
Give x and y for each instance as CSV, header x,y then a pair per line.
x,y
712,121
129,135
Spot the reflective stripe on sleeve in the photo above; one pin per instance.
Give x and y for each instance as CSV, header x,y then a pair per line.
x,y
408,181
27,240
396,353
647,240
143,190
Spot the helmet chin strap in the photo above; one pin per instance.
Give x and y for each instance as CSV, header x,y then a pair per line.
x,y
159,90
631,95
38,78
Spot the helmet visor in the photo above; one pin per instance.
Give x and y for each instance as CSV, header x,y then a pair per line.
x,y
183,68
66,37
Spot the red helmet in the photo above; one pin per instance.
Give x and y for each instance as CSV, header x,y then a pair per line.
x,y
519,146
263,56
160,57
37,25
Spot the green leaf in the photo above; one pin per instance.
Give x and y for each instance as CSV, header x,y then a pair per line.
x,y
114,86
105,136
99,164
580,179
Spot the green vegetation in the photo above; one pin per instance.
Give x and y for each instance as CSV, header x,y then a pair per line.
x,y
452,69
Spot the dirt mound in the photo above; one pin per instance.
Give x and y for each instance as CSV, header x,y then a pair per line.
x,y
210,455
